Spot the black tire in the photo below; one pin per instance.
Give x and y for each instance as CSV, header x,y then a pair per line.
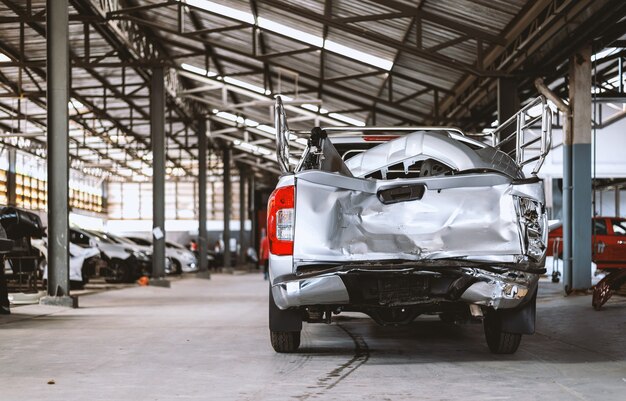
x,y
41,267
499,341
76,285
85,275
118,272
285,327
176,268
285,341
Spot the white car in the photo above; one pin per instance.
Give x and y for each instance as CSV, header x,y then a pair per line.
x,y
138,249
126,262
79,275
183,260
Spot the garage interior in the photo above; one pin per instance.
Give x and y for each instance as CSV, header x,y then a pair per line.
x,y
154,120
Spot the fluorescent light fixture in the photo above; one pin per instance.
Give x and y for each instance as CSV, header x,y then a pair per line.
x,y
251,148
297,34
227,116
603,53
4,58
265,151
358,55
346,119
314,108
267,128
245,85
223,10
198,70
75,103
178,172
290,32
248,146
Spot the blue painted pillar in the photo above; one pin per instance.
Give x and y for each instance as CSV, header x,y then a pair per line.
x,y
577,213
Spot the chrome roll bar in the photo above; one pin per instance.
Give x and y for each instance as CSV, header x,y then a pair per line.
x,y
523,135
282,135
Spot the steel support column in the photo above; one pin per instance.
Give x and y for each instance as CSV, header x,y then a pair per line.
x,y
58,68
577,226
202,173
242,215
227,203
157,133
252,210
11,176
508,105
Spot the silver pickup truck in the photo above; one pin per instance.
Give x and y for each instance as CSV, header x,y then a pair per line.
x,y
398,222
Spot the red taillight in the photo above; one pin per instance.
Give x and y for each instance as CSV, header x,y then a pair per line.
x,y
280,219
379,138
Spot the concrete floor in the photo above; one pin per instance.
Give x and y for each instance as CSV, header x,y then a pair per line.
x,y
208,340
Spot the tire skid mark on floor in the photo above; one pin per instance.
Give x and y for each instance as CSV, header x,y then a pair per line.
x,y
361,355
335,376
291,367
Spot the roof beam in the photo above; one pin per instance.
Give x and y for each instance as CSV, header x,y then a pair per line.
x,y
382,40
217,44
334,89
373,17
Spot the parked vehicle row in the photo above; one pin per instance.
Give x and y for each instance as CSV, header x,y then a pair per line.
x,y
100,254
116,258
183,260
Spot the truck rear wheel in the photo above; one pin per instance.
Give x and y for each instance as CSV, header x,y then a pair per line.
x,y
499,341
285,327
285,341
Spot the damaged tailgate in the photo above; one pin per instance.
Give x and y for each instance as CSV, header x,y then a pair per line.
x,y
473,217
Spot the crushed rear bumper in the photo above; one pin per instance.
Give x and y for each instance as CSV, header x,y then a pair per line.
x,y
505,289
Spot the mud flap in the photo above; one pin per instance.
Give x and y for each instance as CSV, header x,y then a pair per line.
x,y
520,320
284,320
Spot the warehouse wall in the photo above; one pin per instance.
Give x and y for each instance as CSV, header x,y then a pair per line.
x,y
610,143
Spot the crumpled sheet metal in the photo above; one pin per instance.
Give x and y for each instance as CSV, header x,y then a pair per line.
x,y
413,147
335,224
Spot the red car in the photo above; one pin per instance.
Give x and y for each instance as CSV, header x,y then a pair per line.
x,y
609,242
